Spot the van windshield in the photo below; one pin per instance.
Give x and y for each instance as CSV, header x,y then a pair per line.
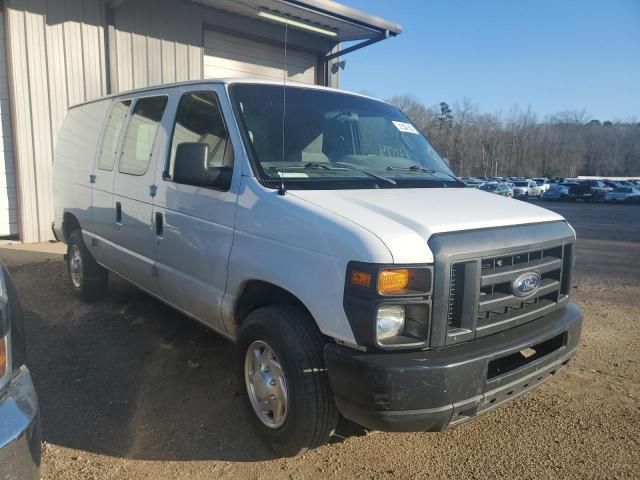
x,y
334,140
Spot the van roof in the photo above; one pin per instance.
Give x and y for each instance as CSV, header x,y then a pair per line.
x,y
224,81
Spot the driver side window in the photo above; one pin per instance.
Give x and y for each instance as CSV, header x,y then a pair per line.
x,y
199,119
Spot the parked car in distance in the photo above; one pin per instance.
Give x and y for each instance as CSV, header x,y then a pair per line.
x,y
557,192
611,184
526,189
623,195
332,265
498,189
473,182
19,409
542,183
587,190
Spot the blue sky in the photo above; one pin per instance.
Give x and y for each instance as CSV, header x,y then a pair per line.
x,y
553,55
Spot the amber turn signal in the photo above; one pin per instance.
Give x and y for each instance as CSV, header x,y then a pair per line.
x,y
3,357
360,279
392,281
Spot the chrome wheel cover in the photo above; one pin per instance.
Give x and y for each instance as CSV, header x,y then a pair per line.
x,y
75,266
266,384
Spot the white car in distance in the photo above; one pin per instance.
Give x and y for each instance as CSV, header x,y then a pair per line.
x,y
543,183
526,189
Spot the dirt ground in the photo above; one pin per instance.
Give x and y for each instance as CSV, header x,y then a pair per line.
x,y
130,389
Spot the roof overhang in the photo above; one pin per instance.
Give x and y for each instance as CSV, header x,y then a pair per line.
x,y
348,23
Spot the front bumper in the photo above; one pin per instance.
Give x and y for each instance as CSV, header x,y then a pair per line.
x,y
435,389
20,430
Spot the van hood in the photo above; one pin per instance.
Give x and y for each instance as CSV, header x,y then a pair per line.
x,y
405,219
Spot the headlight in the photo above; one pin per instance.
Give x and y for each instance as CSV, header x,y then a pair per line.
x,y
389,322
4,359
389,306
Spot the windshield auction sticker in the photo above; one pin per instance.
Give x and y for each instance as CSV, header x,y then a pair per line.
x,y
405,127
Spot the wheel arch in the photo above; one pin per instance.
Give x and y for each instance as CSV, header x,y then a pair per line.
x,y
69,223
256,294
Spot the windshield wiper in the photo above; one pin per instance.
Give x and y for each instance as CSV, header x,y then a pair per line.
x,y
412,168
308,166
366,172
333,166
418,168
323,166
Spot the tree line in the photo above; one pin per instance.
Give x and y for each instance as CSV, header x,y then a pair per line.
x,y
519,143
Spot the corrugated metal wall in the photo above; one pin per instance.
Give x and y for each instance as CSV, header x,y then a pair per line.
x,y
155,41
56,59
8,195
64,52
161,41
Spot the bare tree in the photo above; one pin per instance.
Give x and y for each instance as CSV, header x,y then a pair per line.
x,y
565,144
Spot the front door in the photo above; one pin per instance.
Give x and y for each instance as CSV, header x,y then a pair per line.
x,y
193,248
133,193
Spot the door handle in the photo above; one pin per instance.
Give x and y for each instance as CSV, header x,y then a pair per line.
x,y
159,224
118,212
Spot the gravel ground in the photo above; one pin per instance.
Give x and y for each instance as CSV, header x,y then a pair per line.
x,y
130,389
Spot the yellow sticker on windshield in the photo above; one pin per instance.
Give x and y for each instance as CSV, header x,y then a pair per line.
x,y
405,127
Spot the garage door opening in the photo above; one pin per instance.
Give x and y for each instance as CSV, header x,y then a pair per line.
x,y
228,55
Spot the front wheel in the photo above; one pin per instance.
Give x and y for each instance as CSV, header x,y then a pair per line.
x,y
88,279
282,372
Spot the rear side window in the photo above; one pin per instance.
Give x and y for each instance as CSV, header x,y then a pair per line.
x,y
199,120
109,145
140,135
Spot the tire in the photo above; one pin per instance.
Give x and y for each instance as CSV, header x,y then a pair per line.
x,y
88,279
509,195
297,345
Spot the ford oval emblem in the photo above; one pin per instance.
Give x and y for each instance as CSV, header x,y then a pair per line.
x,y
526,284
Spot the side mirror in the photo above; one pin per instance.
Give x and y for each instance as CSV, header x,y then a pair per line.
x,y
190,167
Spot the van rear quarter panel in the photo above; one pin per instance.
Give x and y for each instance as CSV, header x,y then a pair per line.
x,y
74,161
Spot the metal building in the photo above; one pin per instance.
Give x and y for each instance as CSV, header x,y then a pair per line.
x,y
57,53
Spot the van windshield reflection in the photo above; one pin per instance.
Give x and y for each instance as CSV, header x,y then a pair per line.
x,y
334,140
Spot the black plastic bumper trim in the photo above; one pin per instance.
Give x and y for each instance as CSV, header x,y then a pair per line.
x,y
435,389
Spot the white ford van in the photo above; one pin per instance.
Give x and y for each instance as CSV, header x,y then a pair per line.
x,y
321,232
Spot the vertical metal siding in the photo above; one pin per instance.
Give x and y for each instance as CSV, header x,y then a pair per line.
x,y
21,113
93,48
155,47
8,194
57,60
40,112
